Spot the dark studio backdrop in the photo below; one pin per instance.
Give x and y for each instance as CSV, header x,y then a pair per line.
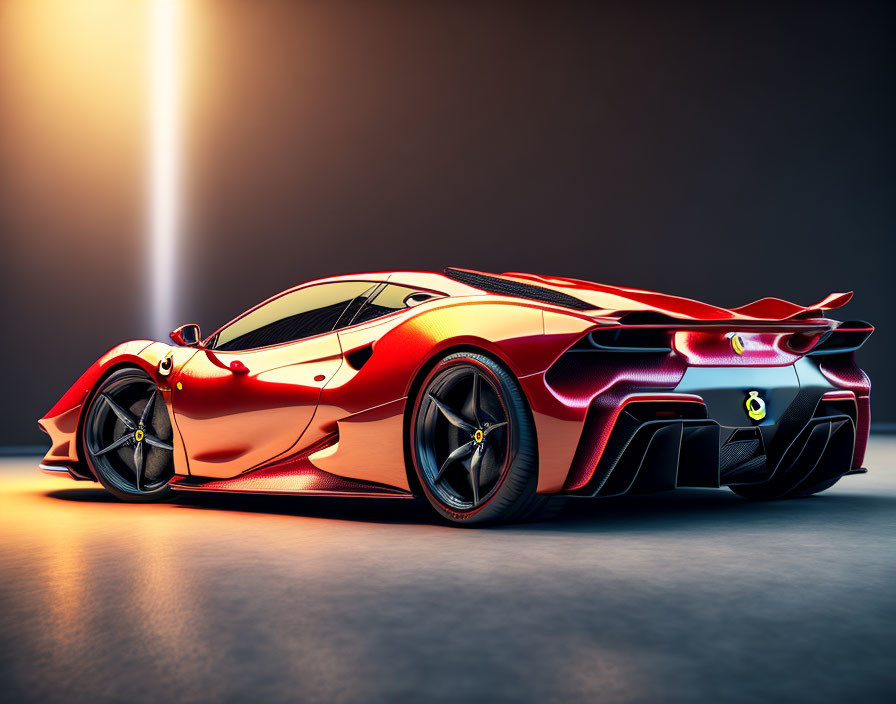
x,y
721,151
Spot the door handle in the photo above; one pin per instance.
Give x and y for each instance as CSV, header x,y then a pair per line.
x,y
237,367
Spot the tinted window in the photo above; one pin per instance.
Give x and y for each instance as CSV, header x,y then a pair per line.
x,y
352,309
309,311
389,300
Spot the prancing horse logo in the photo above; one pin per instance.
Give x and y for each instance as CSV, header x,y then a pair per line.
x,y
755,406
737,342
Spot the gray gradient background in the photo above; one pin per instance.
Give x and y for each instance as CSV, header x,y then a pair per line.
x,y
719,151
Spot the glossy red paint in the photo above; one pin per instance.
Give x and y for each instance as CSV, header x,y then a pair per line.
x,y
234,421
254,420
292,475
843,372
714,349
839,395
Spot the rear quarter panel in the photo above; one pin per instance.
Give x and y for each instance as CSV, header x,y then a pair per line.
x,y
367,405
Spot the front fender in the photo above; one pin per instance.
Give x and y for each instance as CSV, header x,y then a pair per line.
x,y
63,420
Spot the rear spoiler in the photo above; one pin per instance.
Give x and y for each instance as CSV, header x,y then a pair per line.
x,y
648,306
777,309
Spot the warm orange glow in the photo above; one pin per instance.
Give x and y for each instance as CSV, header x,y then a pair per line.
x,y
74,102
78,68
93,96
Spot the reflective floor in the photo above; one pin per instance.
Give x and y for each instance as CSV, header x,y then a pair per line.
x,y
690,595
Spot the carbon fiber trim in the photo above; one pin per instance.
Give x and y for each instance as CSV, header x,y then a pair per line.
x,y
504,287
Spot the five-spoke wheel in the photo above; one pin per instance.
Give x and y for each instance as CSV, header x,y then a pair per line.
x,y
128,437
473,441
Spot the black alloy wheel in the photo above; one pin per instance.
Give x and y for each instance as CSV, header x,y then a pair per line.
x,y
128,437
473,442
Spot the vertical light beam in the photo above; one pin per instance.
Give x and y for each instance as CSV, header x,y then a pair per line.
x,y
164,219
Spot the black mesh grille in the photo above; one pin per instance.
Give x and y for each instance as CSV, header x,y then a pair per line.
x,y
494,284
792,421
735,453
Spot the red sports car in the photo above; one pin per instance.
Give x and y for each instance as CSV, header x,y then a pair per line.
x,y
487,395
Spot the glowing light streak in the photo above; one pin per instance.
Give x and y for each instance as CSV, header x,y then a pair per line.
x,y
164,219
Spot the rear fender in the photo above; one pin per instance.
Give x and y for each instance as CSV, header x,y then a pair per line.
x,y
401,351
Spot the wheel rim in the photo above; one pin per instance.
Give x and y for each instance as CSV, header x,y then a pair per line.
x,y
128,436
462,437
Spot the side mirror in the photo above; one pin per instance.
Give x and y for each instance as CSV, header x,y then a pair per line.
x,y
187,335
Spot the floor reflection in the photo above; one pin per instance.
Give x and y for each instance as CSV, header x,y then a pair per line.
x,y
217,597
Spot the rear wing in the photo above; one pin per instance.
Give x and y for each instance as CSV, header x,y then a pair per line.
x,y
777,309
643,321
621,299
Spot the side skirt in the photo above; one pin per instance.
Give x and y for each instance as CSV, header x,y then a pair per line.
x,y
295,475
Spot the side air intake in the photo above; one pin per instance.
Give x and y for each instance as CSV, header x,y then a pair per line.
x,y
615,339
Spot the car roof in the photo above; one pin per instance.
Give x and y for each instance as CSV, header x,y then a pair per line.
x,y
416,279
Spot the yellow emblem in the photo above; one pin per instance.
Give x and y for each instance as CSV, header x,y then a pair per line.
x,y
755,406
138,436
737,344
478,435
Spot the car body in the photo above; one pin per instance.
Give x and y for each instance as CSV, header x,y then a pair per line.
x,y
626,390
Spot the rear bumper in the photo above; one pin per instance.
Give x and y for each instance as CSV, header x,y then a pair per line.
x,y
699,432
650,451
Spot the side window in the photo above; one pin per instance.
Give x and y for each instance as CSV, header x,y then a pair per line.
x,y
309,311
389,300
352,309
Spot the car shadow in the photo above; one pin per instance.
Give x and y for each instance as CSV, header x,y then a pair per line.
x,y
681,510
369,510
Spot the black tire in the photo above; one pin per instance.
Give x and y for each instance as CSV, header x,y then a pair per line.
x,y
493,422
126,427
